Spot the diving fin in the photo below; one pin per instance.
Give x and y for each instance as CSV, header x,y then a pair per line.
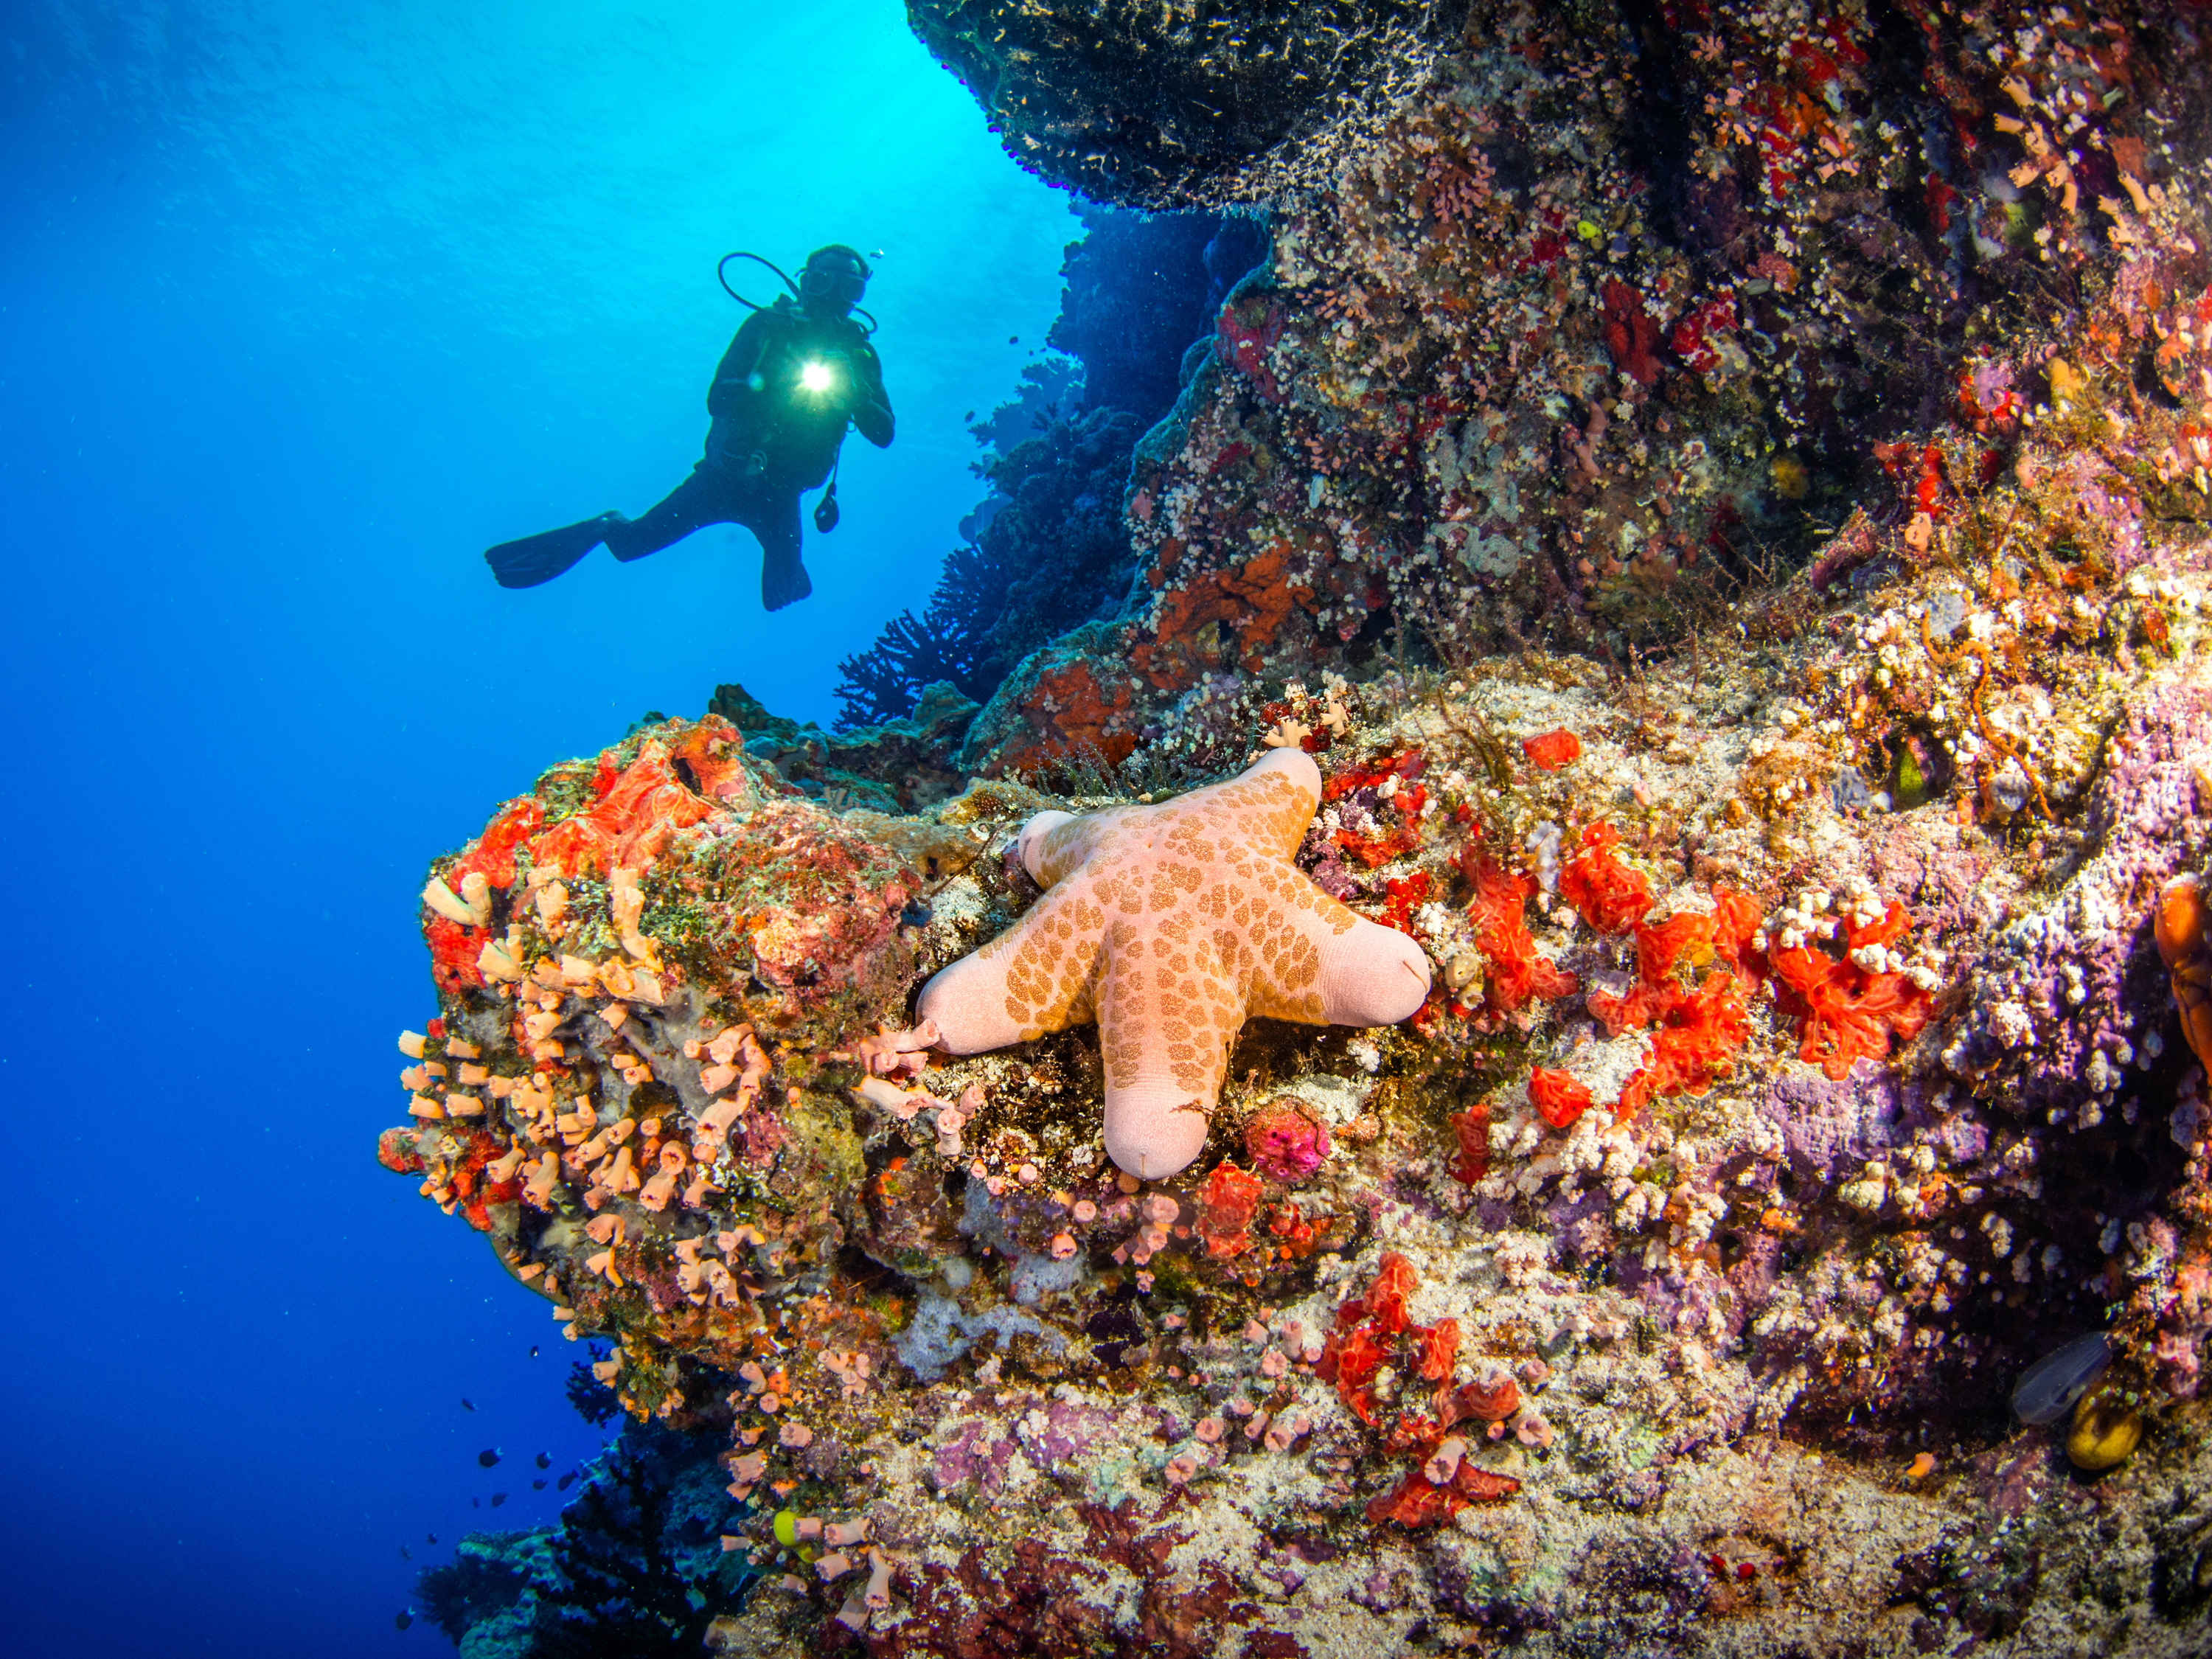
x,y
783,581
540,558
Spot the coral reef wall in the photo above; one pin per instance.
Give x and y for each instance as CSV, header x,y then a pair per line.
x,y
1722,495
1626,313
634,1567
1048,548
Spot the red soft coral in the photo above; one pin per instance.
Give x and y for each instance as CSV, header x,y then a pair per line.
x,y
1406,801
1386,1299
1549,751
1846,1012
1698,1027
1407,895
1631,332
1471,1129
1373,1330
1227,1200
1608,894
1695,1042
1517,975
1417,1501
639,807
492,853
1558,1097
455,948
1436,1344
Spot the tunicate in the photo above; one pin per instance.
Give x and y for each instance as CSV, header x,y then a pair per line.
x,y
1946,610
2009,789
2106,1430
1543,842
2051,1386
1911,785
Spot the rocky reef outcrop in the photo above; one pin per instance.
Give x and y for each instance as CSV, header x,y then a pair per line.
x,y
1722,495
1168,105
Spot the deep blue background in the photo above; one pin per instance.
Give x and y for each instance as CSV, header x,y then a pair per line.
x,y
300,306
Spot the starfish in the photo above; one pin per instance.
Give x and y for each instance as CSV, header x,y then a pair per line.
x,y
1170,926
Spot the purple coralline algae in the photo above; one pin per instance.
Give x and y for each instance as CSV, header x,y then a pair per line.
x,y
1829,1125
2054,1012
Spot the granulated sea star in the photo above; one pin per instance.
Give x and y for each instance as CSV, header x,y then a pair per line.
x,y
1169,925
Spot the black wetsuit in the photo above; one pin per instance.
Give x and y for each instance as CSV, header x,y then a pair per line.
x,y
771,439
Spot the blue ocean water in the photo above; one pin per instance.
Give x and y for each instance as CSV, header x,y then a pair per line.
x,y
301,305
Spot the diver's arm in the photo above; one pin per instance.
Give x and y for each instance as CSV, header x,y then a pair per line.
x,y
871,405
733,392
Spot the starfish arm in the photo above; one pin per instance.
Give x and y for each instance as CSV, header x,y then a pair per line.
x,y
1171,1003
1372,975
1054,844
1030,844
1034,977
1323,965
1264,809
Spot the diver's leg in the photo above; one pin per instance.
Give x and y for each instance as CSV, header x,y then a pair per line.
x,y
702,499
783,577
540,558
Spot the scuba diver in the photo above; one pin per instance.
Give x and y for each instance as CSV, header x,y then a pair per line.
x,y
792,379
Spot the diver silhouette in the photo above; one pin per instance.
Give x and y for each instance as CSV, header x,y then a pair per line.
x,y
794,377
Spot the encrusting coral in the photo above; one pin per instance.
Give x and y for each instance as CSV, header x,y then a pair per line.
x,y
1168,925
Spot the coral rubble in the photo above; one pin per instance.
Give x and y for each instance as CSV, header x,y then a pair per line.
x,y
1723,495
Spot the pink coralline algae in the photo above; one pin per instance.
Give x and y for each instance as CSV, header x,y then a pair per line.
x,y
1831,1125
1285,1140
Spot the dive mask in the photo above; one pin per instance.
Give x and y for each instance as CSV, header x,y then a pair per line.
x,y
833,278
